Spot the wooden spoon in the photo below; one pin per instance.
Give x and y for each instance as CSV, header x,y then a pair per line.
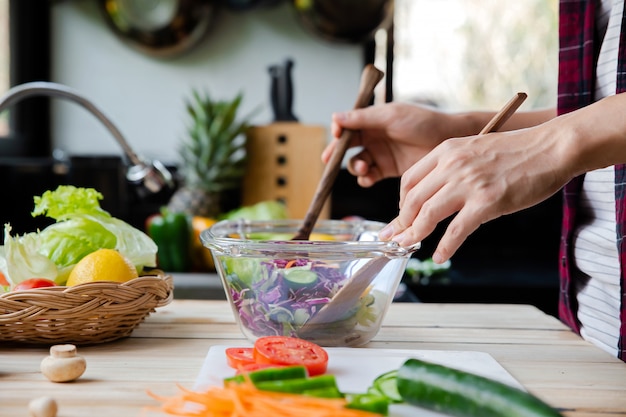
x,y
350,293
369,78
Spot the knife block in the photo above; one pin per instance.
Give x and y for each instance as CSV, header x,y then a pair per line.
x,y
284,164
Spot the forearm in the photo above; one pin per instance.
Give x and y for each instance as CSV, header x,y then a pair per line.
x,y
595,136
471,123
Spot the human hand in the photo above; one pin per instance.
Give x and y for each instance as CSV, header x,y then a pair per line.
x,y
393,137
479,178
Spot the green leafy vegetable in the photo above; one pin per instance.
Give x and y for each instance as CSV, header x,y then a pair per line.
x,y
67,201
265,210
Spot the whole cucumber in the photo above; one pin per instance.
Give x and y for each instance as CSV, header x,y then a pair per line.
x,y
457,393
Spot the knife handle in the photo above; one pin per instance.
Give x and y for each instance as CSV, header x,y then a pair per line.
x,y
281,91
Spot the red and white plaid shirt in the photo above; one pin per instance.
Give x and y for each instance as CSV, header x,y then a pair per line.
x,y
578,51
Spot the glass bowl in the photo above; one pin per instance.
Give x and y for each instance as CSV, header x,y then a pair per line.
x,y
277,286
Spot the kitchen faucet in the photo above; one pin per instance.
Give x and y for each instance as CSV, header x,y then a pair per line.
x,y
153,175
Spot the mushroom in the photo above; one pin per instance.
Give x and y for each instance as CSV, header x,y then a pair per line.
x,y
43,407
63,364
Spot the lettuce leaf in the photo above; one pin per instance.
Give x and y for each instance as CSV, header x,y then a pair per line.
x,y
68,201
264,210
22,259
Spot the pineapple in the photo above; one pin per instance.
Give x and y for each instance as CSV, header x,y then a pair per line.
x,y
212,157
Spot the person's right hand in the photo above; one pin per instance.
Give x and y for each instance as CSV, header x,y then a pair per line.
x,y
393,137
480,178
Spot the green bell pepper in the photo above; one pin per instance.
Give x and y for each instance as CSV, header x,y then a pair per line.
x,y
172,234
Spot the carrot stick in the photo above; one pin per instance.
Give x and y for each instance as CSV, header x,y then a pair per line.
x,y
245,400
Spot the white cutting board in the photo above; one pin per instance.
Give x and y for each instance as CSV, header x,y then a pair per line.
x,y
356,368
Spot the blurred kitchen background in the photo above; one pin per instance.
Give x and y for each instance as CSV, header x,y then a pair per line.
x,y
138,61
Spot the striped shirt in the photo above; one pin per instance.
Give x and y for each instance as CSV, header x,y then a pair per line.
x,y
593,255
595,241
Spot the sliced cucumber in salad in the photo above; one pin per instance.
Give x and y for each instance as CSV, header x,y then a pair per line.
x,y
278,296
298,278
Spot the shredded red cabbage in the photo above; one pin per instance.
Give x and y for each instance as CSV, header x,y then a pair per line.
x,y
269,306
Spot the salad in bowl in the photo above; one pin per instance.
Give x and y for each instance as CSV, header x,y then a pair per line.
x,y
277,286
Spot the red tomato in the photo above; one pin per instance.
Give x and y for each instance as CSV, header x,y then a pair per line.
x,y
283,350
239,357
251,367
3,280
34,283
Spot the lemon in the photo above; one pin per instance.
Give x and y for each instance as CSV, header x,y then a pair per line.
x,y
102,265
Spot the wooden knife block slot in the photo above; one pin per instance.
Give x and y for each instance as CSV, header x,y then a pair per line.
x,y
284,164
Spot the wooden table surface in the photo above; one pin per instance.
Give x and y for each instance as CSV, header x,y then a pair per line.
x,y
170,346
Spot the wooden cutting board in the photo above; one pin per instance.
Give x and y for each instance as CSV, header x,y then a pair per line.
x,y
284,164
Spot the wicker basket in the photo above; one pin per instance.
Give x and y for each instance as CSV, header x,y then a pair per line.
x,y
85,314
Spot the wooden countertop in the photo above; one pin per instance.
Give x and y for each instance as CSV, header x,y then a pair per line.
x,y
170,346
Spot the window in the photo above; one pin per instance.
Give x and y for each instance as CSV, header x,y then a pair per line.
x,y
24,57
462,55
475,54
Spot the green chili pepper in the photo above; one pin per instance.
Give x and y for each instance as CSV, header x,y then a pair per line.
x,y
294,380
172,234
368,402
271,374
301,385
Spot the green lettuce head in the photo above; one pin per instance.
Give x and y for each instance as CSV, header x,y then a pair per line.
x,y
81,228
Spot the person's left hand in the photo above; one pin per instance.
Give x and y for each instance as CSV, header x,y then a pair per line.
x,y
479,178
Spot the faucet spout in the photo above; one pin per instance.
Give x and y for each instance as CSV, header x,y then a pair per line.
x,y
151,174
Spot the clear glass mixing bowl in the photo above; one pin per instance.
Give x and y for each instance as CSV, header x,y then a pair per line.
x,y
278,286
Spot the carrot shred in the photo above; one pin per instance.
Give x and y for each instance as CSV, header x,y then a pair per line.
x,y
245,400
290,263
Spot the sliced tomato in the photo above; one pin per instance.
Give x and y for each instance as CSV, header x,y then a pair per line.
x,y
34,283
239,357
283,350
251,367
